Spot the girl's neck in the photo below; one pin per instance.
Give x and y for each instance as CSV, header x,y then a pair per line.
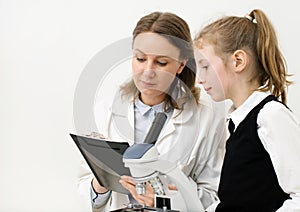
x,y
241,95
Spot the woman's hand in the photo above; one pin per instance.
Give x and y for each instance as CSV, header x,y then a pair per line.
x,y
96,135
172,187
97,187
147,198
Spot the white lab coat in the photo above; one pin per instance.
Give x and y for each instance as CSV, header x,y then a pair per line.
x,y
194,140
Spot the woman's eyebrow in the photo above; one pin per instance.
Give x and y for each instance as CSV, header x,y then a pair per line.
x,y
158,56
138,50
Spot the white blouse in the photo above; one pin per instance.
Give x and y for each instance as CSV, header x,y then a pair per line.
x,y
279,131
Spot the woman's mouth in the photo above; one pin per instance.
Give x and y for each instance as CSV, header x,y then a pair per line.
x,y
148,84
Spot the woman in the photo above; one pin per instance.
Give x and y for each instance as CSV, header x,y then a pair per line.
x,y
163,69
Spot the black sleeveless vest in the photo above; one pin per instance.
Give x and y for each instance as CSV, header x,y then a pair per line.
x,y
248,179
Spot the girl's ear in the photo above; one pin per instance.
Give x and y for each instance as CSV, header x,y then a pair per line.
x,y
182,65
240,60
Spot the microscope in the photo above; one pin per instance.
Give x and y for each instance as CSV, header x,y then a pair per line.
x,y
146,166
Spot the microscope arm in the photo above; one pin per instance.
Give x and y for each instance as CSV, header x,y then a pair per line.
x,y
184,186
147,162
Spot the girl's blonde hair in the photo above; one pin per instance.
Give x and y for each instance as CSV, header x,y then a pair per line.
x,y
253,33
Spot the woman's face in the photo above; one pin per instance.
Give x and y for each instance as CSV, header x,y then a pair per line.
x,y
212,73
155,63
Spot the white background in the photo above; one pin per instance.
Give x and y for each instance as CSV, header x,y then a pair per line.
x,y
45,45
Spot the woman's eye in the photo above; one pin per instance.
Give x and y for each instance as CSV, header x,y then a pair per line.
x,y
140,59
161,63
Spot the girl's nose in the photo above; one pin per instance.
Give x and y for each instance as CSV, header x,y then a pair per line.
x,y
200,78
200,81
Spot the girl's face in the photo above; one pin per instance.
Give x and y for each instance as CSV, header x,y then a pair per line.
x,y
155,63
212,73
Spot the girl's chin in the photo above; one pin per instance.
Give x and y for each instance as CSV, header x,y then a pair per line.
x,y
217,98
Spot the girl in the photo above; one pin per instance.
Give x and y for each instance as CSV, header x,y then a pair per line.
x,y
239,59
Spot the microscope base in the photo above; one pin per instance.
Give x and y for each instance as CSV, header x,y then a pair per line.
x,y
146,209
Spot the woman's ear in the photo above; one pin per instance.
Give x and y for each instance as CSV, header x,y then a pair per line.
x,y
182,65
240,60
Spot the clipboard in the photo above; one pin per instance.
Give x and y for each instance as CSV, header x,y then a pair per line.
x,y
105,159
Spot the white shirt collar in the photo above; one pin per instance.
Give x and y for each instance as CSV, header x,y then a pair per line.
x,y
239,114
143,108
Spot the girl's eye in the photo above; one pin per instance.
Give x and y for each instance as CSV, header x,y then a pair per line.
x,y
204,67
161,63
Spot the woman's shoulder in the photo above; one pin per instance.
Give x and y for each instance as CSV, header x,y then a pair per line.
x,y
207,105
206,113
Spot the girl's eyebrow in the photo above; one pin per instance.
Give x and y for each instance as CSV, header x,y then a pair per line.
x,y
202,61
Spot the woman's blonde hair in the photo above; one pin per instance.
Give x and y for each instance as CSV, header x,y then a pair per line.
x,y
177,31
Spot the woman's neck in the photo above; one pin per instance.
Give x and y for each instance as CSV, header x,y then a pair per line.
x,y
151,101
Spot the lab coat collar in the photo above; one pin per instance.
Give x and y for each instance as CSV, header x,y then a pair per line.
x,y
123,110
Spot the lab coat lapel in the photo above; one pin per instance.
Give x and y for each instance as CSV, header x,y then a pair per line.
x,y
175,121
122,117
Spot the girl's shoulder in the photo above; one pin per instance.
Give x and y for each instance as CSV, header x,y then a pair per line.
x,y
276,111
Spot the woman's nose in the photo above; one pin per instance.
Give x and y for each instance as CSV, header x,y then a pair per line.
x,y
149,69
150,65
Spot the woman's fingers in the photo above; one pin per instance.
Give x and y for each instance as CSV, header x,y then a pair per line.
x,y
172,187
96,135
146,199
97,187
